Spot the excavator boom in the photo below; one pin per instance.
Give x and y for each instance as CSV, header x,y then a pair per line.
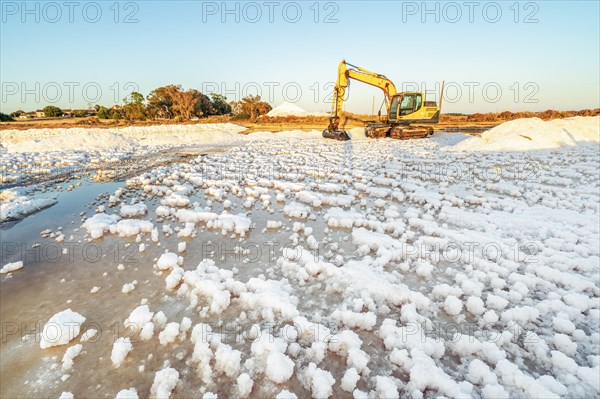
x,y
348,71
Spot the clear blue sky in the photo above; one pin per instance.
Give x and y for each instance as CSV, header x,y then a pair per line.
x,y
554,61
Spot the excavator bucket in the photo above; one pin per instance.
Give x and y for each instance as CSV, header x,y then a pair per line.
x,y
334,132
338,134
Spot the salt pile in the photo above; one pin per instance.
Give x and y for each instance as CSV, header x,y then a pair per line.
x,y
62,328
11,267
15,206
289,109
536,134
77,139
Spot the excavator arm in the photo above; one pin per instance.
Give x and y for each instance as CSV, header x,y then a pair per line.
x,y
347,71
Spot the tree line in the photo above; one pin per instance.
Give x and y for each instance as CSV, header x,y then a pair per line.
x,y
174,103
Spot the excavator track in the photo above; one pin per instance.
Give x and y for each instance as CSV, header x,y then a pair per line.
x,y
408,132
377,130
398,132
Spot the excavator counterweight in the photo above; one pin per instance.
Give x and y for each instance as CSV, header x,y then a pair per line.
x,y
402,109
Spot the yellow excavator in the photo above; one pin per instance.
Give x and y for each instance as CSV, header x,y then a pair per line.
x,y
403,109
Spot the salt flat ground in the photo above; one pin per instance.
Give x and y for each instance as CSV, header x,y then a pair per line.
x,y
291,265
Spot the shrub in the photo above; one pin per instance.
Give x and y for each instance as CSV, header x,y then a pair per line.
x,y
5,118
51,111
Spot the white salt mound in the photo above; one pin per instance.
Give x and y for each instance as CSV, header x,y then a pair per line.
x,y
61,328
168,260
77,139
130,393
536,134
18,207
89,334
279,367
285,394
121,348
69,356
289,109
100,223
11,267
164,383
139,317
128,211
244,383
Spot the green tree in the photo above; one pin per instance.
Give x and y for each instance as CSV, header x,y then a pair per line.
x,y
203,106
51,111
110,113
173,102
160,102
134,98
102,112
5,118
220,104
116,113
134,108
252,106
134,112
17,113
185,104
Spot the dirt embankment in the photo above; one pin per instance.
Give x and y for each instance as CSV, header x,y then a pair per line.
x,y
448,122
92,121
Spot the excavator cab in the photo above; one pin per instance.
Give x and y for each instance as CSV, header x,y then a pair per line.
x,y
411,107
